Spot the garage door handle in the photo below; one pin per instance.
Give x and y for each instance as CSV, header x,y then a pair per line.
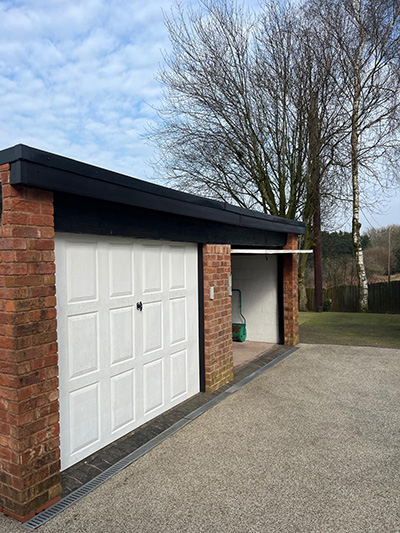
x,y
139,306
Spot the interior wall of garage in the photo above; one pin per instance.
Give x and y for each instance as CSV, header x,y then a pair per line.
x,y
257,278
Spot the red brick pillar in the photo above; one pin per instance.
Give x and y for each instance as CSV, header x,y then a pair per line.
x,y
218,345
29,413
290,293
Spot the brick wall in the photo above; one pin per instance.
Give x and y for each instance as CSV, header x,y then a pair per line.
x,y
290,293
29,413
218,345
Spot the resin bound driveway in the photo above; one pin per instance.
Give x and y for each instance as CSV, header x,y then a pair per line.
x,y
312,445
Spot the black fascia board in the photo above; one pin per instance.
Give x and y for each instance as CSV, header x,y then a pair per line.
x,y
36,168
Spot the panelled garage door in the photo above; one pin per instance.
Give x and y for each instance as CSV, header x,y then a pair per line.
x,y
128,336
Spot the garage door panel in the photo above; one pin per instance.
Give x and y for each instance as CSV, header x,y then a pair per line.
x,y
177,267
81,271
84,408
122,340
178,374
153,385
83,344
152,320
122,400
119,366
151,268
121,275
178,317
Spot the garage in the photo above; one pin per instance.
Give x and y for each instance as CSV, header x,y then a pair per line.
x,y
116,306
128,336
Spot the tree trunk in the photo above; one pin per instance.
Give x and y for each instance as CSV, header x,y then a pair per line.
x,y
302,271
356,225
317,250
315,168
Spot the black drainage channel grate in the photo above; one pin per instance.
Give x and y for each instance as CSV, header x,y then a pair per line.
x,y
120,465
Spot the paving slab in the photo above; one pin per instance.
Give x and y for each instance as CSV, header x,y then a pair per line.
x,y
247,351
312,445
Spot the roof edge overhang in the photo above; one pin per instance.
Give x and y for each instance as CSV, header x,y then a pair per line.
x,y
269,251
39,169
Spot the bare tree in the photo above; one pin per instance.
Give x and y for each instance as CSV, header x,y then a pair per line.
x,y
234,119
364,36
237,123
326,128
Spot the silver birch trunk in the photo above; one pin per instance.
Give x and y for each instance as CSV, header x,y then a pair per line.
x,y
356,225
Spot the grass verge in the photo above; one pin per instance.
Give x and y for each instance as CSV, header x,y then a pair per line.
x,y
357,329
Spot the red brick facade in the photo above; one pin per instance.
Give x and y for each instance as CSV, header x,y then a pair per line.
x,y
218,345
290,293
29,412
29,407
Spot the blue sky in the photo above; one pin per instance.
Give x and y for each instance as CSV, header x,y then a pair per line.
x,y
77,79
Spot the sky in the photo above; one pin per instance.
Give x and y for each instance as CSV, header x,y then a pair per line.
x,y
77,79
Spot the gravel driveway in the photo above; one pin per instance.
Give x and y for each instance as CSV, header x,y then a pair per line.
x,y
312,445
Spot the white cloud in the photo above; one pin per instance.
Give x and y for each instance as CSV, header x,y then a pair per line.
x,y
77,78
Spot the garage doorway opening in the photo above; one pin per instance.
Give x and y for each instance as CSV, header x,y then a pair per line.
x,y
256,277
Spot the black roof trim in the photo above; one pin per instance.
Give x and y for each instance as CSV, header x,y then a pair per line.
x,y
40,169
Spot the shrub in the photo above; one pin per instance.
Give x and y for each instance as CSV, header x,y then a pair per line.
x,y
326,306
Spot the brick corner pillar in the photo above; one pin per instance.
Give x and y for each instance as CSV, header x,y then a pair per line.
x,y
29,412
290,293
218,344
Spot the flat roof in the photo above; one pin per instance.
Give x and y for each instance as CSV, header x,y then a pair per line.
x,y
39,169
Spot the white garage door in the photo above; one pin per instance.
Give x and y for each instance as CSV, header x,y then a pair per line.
x,y
128,336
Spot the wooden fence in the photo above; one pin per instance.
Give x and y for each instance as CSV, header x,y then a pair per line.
x,y
383,298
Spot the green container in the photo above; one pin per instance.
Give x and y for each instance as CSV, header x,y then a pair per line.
x,y
239,331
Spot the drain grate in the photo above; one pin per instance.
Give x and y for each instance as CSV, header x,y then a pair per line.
x,y
91,485
72,498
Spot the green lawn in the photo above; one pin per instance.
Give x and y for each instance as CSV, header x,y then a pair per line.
x,y
358,329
